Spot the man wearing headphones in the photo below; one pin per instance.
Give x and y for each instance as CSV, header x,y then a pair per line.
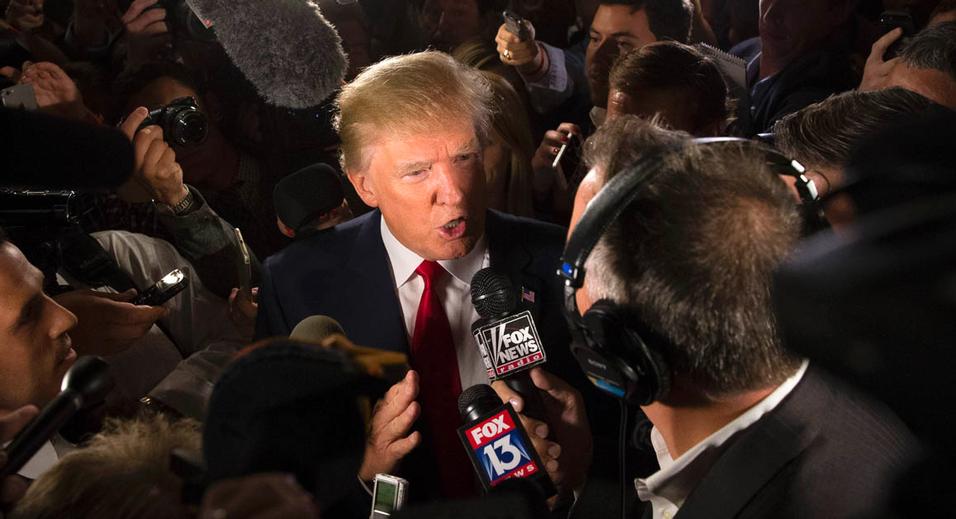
x,y
669,265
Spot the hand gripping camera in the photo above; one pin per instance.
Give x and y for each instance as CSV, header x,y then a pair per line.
x,y
182,122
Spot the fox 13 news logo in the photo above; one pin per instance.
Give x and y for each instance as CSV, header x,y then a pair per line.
x,y
510,345
499,449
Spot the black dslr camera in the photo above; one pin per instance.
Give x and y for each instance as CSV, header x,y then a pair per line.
x,y
182,122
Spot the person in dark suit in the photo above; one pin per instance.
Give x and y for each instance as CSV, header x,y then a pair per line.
x,y
413,129
744,428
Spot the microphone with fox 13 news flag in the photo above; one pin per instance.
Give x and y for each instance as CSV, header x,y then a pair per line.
x,y
496,442
509,342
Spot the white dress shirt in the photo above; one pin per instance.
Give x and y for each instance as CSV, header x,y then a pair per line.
x,y
668,488
454,290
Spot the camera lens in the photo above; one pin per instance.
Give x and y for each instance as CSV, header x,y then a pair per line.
x,y
189,127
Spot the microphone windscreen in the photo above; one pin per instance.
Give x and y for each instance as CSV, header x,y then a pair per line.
x,y
316,328
492,293
41,151
479,396
306,194
285,48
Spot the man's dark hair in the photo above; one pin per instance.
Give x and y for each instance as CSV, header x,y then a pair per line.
x,y
943,7
693,255
827,133
933,48
668,19
674,67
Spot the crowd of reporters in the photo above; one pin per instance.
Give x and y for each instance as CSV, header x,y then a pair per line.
x,y
730,223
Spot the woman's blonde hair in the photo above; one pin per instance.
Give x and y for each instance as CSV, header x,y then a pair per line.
x,y
510,123
406,95
124,472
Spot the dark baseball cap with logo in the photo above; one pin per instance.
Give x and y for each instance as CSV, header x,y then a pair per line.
x,y
306,194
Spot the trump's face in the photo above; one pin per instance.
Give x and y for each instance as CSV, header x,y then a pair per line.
x,y
429,187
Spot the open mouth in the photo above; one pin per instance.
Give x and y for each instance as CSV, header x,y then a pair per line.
x,y
454,229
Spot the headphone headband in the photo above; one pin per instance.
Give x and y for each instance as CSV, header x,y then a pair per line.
x,y
605,208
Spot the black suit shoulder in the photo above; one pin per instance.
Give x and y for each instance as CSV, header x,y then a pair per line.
x,y
825,451
849,467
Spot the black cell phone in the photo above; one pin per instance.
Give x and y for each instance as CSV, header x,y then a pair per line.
x,y
892,19
569,155
164,289
244,266
517,25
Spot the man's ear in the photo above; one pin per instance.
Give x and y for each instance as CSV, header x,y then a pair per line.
x,y
286,231
364,187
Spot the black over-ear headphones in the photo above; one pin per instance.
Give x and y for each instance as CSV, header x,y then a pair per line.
x,y
617,351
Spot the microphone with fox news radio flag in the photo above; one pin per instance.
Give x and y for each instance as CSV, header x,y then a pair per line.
x,y
496,443
286,49
508,341
87,381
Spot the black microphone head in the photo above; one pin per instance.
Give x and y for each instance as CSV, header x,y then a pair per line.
x,y
492,293
90,378
477,400
315,328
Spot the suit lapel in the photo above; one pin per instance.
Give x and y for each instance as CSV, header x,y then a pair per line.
x,y
370,300
507,252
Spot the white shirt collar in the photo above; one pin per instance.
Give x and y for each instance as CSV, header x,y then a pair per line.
x,y
404,261
676,479
49,454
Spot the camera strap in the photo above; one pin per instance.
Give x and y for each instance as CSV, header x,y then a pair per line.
x,y
86,260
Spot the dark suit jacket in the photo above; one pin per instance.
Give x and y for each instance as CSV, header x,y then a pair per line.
x,y
825,451
344,273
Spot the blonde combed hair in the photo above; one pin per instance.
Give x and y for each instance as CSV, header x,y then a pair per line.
x,y
123,473
406,95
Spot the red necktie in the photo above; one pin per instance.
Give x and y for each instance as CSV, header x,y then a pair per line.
x,y
433,357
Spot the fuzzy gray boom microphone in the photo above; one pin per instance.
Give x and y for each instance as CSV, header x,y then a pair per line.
x,y
285,48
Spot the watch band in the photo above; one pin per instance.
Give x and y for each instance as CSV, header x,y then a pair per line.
x,y
186,204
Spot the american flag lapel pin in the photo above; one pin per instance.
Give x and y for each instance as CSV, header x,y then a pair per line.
x,y
527,295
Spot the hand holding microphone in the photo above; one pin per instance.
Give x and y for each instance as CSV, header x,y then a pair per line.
x,y
88,381
496,442
390,435
567,455
12,488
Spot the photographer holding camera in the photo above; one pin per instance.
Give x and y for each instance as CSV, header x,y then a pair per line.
x,y
231,181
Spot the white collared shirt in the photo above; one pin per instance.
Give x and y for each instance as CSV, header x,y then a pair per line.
x,y
46,457
455,293
668,488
